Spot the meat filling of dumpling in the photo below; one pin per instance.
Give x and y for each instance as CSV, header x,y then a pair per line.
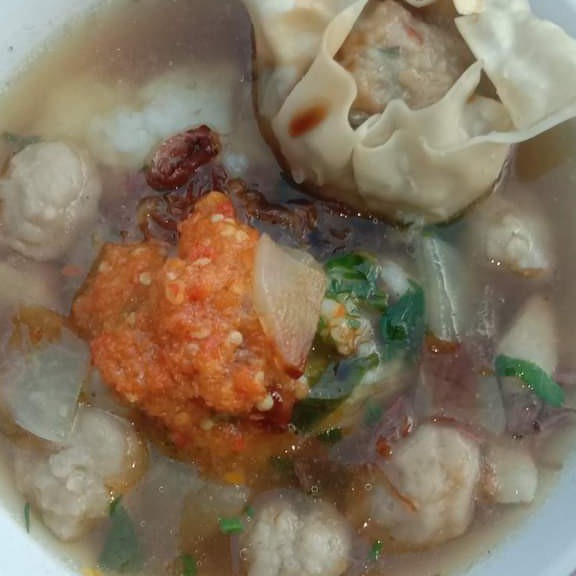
x,y
393,54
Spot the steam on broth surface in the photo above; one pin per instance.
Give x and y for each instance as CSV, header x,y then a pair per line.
x,y
207,371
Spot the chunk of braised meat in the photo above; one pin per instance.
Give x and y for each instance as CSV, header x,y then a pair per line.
x,y
453,389
372,442
159,216
177,158
186,167
299,216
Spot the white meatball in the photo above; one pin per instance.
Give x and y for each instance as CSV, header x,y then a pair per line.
x,y
296,536
513,236
49,196
429,494
72,485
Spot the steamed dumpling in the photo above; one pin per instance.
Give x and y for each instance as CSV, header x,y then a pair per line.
x,y
426,164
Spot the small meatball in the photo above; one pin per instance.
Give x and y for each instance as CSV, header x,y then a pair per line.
x,y
295,536
72,485
392,54
513,237
512,475
49,197
430,483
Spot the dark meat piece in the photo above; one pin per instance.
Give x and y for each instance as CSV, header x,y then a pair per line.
x,y
178,158
373,442
452,388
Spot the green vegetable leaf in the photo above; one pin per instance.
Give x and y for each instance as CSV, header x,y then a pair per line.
x,y
121,552
403,325
230,526
189,565
532,376
355,275
376,550
27,516
335,385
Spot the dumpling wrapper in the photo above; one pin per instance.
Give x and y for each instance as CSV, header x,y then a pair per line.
x,y
424,165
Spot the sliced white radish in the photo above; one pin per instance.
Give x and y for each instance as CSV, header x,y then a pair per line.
x,y
512,476
288,289
533,336
41,386
491,411
448,288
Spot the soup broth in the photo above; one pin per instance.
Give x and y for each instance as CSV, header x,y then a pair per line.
x,y
134,74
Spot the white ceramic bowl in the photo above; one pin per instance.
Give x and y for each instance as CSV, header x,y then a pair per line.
x,y
545,545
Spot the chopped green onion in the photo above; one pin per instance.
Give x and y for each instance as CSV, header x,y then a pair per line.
x,y
121,552
546,388
376,550
230,526
27,516
189,565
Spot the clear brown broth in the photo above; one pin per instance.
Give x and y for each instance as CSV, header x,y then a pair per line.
x,y
134,40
